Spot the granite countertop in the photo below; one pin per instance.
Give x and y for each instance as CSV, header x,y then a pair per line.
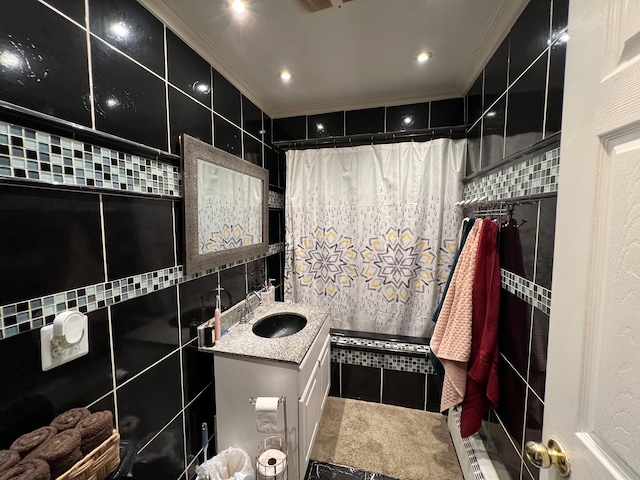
x,y
241,341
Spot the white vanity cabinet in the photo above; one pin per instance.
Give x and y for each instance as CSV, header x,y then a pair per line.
x,y
305,386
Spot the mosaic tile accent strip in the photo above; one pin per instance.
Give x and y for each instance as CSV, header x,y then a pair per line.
x,y
30,314
528,291
533,176
46,158
468,448
379,344
388,361
276,199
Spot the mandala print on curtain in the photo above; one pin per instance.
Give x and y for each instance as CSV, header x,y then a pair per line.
x,y
372,231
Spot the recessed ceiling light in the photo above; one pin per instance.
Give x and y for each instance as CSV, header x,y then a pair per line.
x,y
285,75
424,56
238,6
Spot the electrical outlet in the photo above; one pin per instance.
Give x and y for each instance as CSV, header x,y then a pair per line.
x,y
67,325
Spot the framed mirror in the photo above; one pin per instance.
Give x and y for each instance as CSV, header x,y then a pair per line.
x,y
226,211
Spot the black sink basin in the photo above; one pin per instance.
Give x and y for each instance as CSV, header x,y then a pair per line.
x,y
279,325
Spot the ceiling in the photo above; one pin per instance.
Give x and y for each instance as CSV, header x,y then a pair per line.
x,y
355,54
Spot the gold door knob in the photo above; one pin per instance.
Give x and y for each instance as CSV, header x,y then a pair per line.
x,y
552,454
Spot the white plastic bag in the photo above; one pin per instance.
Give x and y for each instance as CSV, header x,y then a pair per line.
x,y
230,464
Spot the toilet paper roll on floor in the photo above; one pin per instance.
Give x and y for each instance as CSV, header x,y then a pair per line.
x,y
267,414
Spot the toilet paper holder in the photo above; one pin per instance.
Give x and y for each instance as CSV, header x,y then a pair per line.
x,y
281,401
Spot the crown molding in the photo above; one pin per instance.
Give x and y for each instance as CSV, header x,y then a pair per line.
x,y
371,101
503,18
173,20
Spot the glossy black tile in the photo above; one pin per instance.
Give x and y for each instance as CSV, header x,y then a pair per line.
x,y
546,239
147,226
226,99
473,149
197,370
256,274
525,112
163,458
527,474
529,36
178,212
30,398
555,88
130,102
434,393
407,117
44,64
271,163
493,133
187,116
535,414
519,240
404,389
368,120
251,118
282,170
334,389
446,113
326,471
71,255
539,347
275,269
141,415
290,128
72,8
197,303
129,27
513,332
560,15
475,100
187,70
501,450
227,136
201,410
234,282
252,149
511,409
325,125
267,128
276,226
361,383
496,73
107,402
145,329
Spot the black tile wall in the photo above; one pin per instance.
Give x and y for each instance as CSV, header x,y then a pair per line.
x,y
163,386
529,36
475,100
147,226
434,393
326,125
404,389
511,409
369,120
539,347
54,243
496,74
473,148
445,113
187,70
131,29
361,383
513,332
292,128
407,117
555,88
47,61
271,163
546,240
493,125
130,102
334,389
503,447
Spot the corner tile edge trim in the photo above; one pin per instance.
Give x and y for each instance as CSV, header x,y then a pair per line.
x,y
534,295
36,312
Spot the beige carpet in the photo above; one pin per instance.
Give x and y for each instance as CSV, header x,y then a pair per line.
x,y
398,442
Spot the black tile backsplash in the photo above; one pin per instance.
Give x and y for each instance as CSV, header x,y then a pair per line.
x,y
54,243
256,274
44,65
187,116
187,70
147,226
226,99
131,29
197,303
234,282
197,371
129,101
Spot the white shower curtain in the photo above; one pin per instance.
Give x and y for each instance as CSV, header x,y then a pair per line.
x,y
371,232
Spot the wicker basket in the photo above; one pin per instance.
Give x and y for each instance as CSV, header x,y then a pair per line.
x,y
99,463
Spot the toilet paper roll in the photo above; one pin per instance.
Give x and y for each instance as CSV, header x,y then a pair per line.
x,y
267,414
271,462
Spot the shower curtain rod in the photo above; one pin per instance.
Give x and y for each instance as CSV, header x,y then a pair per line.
x,y
456,132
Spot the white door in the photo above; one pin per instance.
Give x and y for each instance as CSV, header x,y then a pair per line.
x,y
592,401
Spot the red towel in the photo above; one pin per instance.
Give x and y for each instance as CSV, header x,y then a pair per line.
x,y
482,377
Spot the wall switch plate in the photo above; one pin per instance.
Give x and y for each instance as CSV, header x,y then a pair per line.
x,y
68,324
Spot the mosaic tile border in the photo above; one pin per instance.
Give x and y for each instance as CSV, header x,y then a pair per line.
x,y
276,199
469,450
42,157
534,176
30,314
526,290
382,345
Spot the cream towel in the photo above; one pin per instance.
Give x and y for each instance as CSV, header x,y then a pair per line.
x,y
451,340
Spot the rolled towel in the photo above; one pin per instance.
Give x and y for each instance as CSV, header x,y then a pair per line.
x,y
8,459
95,429
28,442
32,469
61,452
69,419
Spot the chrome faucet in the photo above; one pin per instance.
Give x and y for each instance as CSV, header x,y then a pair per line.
x,y
247,313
